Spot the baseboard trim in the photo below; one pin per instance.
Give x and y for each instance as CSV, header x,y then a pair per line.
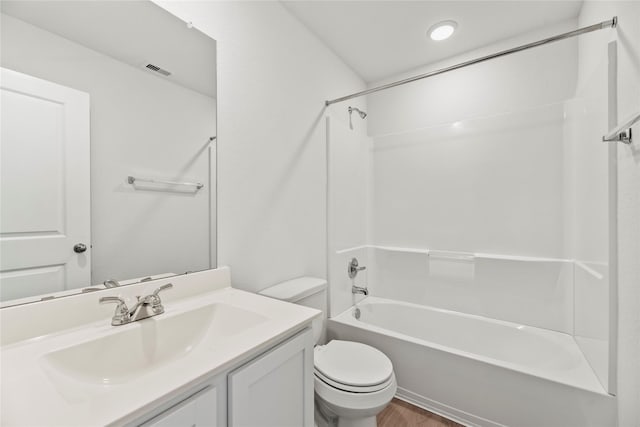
x,y
443,410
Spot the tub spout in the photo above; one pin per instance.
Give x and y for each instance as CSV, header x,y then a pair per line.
x,y
358,290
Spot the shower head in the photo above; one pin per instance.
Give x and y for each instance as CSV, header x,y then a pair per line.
x,y
360,112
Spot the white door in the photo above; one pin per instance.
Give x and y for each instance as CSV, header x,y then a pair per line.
x,y
44,187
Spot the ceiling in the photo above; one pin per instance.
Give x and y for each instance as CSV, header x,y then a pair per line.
x,y
378,39
134,32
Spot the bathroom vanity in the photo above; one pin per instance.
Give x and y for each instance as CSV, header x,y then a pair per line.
x,y
244,394
213,358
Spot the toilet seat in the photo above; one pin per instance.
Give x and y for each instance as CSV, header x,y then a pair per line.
x,y
352,367
351,388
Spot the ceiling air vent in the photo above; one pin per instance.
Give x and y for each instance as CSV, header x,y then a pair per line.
x,y
158,69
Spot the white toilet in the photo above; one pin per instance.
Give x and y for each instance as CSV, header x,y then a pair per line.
x,y
353,381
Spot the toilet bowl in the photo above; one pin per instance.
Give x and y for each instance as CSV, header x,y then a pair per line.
x,y
353,382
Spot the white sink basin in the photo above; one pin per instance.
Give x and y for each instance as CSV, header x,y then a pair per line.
x,y
150,343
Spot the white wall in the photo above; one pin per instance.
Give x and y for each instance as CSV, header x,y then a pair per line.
x,y
479,185
628,158
273,79
470,160
349,171
141,125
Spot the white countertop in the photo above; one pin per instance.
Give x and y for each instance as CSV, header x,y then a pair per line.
x,y
34,393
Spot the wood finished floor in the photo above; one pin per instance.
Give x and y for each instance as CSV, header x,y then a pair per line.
x,y
403,414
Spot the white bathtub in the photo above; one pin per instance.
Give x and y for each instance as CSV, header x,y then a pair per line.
x,y
480,371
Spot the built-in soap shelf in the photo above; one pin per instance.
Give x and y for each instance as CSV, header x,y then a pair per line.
x,y
451,256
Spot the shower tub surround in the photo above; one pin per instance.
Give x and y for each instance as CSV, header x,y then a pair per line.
x,y
480,371
488,312
483,339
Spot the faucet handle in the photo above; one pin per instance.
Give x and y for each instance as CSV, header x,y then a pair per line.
x,y
162,288
118,300
353,268
156,301
111,283
121,315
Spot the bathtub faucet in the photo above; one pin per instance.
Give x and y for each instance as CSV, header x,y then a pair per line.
x,y
358,290
353,268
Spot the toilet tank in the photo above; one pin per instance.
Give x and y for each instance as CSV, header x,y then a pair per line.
x,y
307,291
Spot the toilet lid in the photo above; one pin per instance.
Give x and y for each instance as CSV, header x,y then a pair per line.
x,y
353,364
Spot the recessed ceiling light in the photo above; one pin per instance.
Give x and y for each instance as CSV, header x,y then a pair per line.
x,y
442,30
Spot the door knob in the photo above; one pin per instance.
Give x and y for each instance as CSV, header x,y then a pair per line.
x,y
79,248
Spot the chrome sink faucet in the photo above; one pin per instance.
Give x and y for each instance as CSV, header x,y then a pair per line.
x,y
148,306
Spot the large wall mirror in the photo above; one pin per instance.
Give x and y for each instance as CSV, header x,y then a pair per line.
x,y
108,160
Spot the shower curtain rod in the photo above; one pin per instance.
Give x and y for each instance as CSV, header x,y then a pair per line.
x,y
600,26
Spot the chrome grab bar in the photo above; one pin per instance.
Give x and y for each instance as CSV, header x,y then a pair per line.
x,y
133,180
622,133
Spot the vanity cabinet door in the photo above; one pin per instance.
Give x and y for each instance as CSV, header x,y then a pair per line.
x,y
275,389
199,410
